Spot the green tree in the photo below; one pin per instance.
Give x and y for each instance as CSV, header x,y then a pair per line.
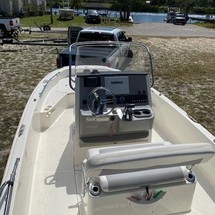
x,y
124,7
133,5
54,3
205,3
76,4
158,2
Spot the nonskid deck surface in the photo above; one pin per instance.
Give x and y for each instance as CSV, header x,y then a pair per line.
x,y
54,190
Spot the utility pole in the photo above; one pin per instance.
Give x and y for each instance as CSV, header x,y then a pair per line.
x,y
185,6
51,14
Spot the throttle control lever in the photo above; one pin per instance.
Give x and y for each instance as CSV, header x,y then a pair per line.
x,y
128,112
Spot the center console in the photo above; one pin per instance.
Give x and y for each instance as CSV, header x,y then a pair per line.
x,y
113,106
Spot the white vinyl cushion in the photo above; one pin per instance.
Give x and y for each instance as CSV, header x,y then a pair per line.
x,y
132,180
147,156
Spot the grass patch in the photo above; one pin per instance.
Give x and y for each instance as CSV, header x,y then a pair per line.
x,y
77,21
3,162
206,24
184,71
30,21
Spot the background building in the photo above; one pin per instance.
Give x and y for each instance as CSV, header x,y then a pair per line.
x,y
14,6
5,5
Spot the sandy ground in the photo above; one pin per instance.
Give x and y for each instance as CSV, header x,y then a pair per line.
x,y
169,30
184,71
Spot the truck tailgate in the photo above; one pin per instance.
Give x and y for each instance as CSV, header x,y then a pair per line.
x,y
87,55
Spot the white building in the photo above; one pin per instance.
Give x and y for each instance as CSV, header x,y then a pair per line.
x,y
5,5
14,6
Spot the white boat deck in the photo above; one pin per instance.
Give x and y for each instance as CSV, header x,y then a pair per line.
x,y
54,173
54,180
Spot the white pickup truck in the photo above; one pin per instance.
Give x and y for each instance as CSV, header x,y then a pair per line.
x,y
110,55
8,26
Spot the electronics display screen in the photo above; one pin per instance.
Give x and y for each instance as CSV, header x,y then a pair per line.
x,y
117,84
128,89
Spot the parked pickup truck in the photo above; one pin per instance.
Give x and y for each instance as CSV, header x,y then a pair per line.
x,y
109,55
8,26
180,18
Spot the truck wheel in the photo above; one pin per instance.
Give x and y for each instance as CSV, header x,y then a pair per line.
x,y
130,54
3,31
46,28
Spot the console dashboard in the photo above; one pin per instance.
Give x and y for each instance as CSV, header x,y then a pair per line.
x,y
128,88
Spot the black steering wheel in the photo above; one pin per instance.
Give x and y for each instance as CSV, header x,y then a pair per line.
x,y
98,98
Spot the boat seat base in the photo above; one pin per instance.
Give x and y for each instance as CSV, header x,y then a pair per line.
x,y
170,197
152,178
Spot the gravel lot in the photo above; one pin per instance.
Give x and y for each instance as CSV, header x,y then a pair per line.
x,y
169,30
184,71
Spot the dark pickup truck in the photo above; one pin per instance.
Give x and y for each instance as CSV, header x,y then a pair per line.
x,y
180,18
109,54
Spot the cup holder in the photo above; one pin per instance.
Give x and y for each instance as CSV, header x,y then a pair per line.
x,y
142,113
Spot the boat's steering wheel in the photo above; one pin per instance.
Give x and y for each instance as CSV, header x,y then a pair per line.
x,y
97,99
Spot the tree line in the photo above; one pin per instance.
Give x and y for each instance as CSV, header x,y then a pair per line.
x,y
186,6
137,5
127,6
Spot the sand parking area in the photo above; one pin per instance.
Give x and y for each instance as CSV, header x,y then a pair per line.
x,y
169,30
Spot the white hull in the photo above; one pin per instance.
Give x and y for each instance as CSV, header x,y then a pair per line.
x,y
48,181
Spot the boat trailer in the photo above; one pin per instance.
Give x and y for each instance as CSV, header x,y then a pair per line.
x,y
41,42
13,39
72,33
